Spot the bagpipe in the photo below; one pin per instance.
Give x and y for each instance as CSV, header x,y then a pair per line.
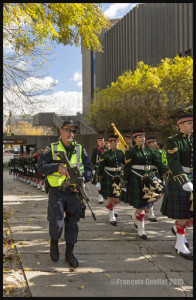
x,y
151,186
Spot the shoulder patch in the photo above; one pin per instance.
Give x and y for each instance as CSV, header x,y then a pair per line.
x,y
172,151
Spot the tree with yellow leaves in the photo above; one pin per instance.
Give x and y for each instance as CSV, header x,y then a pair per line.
x,y
149,98
28,27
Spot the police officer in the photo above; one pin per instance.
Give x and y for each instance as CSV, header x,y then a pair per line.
x,y
97,151
139,163
64,201
163,153
179,188
108,175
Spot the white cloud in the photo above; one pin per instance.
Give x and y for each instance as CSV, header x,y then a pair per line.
x,y
79,83
61,102
117,10
77,76
38,84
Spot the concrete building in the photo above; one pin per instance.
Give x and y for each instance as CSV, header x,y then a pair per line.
x,y
149,32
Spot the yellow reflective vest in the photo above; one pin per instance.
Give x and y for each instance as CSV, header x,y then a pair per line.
x,y
56,179
164,156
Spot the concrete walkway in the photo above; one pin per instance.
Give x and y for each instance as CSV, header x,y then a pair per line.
x,y
113,260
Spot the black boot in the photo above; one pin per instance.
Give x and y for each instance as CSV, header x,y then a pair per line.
x,y
54,250
69,256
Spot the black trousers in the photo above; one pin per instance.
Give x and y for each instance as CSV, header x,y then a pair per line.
x,y
63,209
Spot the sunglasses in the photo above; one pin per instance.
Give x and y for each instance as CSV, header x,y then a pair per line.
x,y
69,130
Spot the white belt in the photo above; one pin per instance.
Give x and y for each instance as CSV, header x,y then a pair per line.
x,y
187,169
140,167
112,169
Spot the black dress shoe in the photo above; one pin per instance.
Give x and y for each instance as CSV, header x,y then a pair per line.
x,y
116,215
188,256
114,223
144,237
54,250
152,219
173,231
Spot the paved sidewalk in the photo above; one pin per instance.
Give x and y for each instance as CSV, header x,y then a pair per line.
x,y
113,260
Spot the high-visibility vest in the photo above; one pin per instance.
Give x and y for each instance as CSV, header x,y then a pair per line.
x,y
164,156
57,179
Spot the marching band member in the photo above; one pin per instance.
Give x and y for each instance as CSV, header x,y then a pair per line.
x,y
139,184
177,202
128,140
151,142
108,176
97,151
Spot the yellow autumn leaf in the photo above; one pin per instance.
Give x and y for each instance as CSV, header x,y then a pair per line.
x,y
82,287
107,275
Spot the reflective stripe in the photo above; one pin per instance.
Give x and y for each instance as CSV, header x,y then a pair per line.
x,y
78,154
55,152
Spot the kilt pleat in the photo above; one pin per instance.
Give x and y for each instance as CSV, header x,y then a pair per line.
x,y
176,203
134,192
106,184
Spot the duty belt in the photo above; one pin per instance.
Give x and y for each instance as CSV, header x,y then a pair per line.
x,y
112,169
141,167
187,169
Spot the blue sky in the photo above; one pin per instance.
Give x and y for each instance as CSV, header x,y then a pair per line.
x,y
65,69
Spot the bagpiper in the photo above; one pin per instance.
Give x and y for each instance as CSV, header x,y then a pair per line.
x,y
140,185
108,176
178,200
97,151
151,142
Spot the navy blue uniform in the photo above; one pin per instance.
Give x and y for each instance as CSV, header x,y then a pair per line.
x,y
63,201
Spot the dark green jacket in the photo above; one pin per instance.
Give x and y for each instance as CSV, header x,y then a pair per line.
x,y
142,156
179,153
112,159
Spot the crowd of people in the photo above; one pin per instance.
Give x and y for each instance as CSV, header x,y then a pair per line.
x,y
23,167
139,176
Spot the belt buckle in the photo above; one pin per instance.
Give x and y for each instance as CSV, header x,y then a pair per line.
x,y
146,168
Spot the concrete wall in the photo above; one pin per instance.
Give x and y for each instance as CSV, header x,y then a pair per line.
x,y
148,33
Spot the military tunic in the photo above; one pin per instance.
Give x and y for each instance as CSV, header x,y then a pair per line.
x,y
109,159
97,151
176,203
139,156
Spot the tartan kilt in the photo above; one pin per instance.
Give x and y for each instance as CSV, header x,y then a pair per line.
x,y
176,203
134,192
106,184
